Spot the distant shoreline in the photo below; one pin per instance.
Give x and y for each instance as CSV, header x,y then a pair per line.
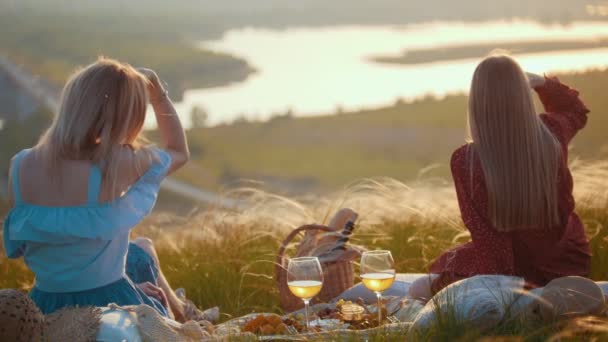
x,y
459,52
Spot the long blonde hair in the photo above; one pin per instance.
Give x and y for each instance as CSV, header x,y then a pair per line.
x,y
102,109
519,155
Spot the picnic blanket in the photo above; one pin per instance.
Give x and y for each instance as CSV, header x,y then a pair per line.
x,y
484,300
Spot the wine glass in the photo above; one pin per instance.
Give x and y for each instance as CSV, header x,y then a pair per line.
x,y
377,273
305,280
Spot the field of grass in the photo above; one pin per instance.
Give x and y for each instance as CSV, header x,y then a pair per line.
x,y
321,154
225,258
456,52
301,155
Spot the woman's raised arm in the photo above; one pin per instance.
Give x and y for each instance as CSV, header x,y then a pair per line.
x,y
535,80
565,110
173,137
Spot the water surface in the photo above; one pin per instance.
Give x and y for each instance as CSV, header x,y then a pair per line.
x,y
312,71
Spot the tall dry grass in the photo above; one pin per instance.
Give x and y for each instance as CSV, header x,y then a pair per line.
x,y
225,257
416,221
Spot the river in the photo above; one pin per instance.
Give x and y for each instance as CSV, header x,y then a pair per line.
x,y
312,71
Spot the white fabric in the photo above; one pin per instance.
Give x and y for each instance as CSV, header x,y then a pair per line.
x,y
117,325
483,299
491,295
604,286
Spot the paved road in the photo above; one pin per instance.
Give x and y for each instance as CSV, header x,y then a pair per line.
x,y
49,97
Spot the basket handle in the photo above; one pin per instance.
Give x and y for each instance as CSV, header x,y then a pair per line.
x,y
281,253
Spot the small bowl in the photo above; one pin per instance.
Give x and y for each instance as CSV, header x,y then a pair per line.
x,y
352,312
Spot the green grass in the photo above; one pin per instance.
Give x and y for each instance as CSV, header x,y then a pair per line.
x,y
301,155
225,258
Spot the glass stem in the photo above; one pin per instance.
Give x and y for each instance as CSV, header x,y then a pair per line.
x,y
379,295
306,302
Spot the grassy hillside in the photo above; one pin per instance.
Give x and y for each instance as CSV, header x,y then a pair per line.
x,y
328,152
320,154
16,135
52,46
225,258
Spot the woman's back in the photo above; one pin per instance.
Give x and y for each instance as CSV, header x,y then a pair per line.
x,y
538,254
70,184
87,183
516,202
74,241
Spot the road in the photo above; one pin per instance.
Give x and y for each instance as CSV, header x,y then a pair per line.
x,y
34,86
199,195
48,97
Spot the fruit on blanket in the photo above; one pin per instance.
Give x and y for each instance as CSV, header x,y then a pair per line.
x,y
324,313
255,324
282,328
267,329
295,323
341,302
328,313
363,318
271,324
274,320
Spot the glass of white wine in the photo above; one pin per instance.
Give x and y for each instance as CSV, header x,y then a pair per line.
x,y
377,274
305,280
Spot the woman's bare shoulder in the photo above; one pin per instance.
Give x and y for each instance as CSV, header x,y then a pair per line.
x,y
135,162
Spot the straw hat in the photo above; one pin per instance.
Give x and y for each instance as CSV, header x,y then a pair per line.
x,y
22,320
570,297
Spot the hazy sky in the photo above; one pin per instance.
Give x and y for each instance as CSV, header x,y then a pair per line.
x,y
282,12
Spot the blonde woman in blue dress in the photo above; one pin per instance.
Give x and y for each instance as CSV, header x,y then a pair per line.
x,y
89,181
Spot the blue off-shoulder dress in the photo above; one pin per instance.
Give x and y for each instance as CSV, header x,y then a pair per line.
x,y
81,255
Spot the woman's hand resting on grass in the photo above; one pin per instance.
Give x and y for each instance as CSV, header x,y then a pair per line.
x,y
154,291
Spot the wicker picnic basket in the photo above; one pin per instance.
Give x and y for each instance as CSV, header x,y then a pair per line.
x,y
337,275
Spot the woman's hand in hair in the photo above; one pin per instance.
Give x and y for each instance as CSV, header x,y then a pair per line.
x,y
155,87
173,137
535,80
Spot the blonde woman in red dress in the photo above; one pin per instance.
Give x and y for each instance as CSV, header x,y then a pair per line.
x,y
513,184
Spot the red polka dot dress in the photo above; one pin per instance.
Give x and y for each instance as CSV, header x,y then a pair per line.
x,y
537,255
